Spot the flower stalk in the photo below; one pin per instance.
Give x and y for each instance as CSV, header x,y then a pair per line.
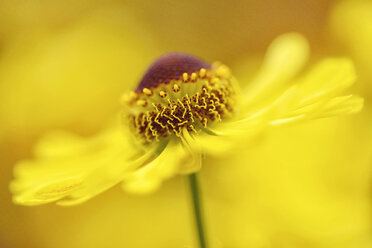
x,y
198,209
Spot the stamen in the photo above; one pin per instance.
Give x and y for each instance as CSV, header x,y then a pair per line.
x,y
223,71
162,94
202,72
193,76
133,95
215,80
176,88
185,77
142,103
147,91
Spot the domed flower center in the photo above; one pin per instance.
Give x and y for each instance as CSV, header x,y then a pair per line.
x,y
169,67
179,92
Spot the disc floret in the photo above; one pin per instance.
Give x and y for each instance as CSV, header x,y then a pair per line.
x,y
189,98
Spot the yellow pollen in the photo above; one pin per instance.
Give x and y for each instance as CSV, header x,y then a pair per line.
x,y
147,91
162,93
176,87
129,98
142,103
202,72
185,77
223,71
193,76
215,80
133,95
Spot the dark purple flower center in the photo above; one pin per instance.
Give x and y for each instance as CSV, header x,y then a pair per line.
x,y
168,67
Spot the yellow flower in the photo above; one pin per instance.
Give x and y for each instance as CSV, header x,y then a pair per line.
x,y
182,110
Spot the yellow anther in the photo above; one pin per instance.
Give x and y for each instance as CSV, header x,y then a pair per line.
x,y
142,103
223,71
202,72
185,77
215,80
129,98
176,88
162,93
193,76
147,91
133,95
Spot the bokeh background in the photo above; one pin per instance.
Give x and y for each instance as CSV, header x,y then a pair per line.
x,y
64,64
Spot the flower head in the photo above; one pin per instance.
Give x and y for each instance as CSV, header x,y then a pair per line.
x,y
184,108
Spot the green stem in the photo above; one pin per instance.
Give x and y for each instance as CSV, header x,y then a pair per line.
x,y
197,205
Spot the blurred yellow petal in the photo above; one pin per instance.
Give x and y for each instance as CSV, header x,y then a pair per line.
x,y
148,178
284,59
67,166
304,185
50,191
351,27
341,106
326,79
318,90
192,156
223,139
311,96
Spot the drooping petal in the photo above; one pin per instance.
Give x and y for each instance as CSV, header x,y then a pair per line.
x,y
224,137
183,157
328,78
149,178
318,94
73,169
191,158
285,57
341,105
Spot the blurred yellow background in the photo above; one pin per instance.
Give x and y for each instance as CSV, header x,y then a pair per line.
x,y
64,64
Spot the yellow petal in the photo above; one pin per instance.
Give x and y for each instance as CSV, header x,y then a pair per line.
x,y
72,168
285,57
150,176
50,191
328,78
59,143
229,135
342,105
351,25
317,93
191,157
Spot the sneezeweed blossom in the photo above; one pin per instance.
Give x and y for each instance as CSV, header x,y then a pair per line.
x,y
182,110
